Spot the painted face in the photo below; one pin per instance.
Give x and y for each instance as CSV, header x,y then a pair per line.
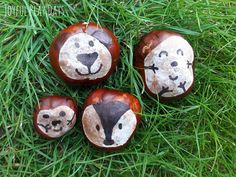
x,y
83,56
109,124
168,67
56,122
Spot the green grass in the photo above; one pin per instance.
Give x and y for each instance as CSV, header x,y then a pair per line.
x,y
195,136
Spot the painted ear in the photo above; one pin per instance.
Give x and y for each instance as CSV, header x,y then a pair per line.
x,y
102,37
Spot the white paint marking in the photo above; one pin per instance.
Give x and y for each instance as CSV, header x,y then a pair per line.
x,y
160,79
54,115
90,120
68,57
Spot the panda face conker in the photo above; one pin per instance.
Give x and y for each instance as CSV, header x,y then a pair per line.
x,y
168,64
109,119
84,53
54,116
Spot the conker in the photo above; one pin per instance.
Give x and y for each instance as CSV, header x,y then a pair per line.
x,y
165,62
54,116
110,118
84,54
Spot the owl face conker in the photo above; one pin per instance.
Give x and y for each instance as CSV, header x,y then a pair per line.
x,y
84,53
110,118
54,116
165,61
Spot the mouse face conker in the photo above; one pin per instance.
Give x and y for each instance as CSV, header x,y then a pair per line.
x,y
165,61
110,118
54,116
84,53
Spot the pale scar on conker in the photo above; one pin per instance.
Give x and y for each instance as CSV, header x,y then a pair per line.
x,y
110,118
54,116
84,53
165,61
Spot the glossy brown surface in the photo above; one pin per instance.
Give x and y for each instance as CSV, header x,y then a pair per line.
x,y
104,35
146,44
54,109
111,98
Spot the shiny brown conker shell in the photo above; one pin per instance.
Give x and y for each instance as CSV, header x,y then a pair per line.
x,y
110,118
165,61
54,116
84,54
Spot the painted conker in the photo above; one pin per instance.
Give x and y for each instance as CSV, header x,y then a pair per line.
x,y
165,62
84,54
110,118
54,116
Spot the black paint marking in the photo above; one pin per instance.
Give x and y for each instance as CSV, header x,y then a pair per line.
x,y
182,85
180,51
77,45
189,64
87,59
62,113
163,53
173,78
103,37
45,116
152,67
91,44
46,127
164,90
79,73
97,127
108,142
70,121
109,114
55,122
174,63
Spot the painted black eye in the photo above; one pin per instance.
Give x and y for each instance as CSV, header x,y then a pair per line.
x,y
77,45
163,53
45,116
174,63
97,127
62,113
120,126
91,44
179,51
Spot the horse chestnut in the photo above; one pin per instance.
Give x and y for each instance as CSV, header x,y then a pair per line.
x,y
165,61
110,118
54,116
84,53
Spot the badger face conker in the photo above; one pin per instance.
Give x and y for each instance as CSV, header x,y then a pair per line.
x,y
54,116
84,53
165,61
110,118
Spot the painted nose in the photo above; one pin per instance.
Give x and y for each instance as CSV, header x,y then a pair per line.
x,y
174,63
87,59
55,122
108,142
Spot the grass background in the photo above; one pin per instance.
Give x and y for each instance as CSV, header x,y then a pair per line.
x,y
195,136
